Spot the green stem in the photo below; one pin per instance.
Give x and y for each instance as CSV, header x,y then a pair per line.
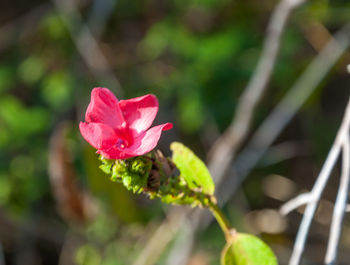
x,y
221,219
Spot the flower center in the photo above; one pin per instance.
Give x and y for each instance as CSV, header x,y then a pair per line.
x,y
121,143
125,137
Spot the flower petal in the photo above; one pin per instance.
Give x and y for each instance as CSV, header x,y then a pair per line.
x,y
104,108
99,135
144,143
148,140
139,113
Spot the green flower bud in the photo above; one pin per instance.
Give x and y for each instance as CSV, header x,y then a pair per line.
x,y
107,165
156,176
132,173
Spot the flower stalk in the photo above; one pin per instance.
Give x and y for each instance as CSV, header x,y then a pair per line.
x,y
221,219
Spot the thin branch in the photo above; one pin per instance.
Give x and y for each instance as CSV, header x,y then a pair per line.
x,y
340,204
87,44
296,202
318,188
226,146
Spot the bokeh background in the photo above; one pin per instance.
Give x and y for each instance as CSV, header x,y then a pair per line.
x,y
197,56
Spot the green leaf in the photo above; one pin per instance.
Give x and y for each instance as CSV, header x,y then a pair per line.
x,y
247,249
192,169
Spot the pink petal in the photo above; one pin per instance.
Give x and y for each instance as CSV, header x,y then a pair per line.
x,y
104,108
143,144
147,141
99,135
139,113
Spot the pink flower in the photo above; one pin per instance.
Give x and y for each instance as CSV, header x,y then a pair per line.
x,y
120,129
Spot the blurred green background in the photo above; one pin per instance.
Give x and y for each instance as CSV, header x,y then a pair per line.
x,y
57,207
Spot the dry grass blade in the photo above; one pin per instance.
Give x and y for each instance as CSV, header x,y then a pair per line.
x,y
74,204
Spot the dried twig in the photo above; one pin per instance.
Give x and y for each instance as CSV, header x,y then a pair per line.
x,y
295,203
74,203
340,205
314,196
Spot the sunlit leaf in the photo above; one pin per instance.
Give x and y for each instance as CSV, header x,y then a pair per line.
x,y
192,169
247,249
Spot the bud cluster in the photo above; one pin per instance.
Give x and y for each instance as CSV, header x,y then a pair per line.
x,y
156,176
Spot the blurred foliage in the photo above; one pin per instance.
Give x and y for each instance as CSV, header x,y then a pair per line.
x,y
196,56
